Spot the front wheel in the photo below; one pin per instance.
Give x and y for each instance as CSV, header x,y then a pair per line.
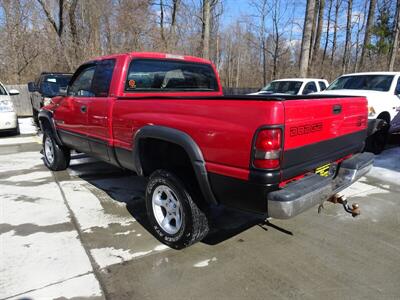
x,y
56,158
175,218
376,142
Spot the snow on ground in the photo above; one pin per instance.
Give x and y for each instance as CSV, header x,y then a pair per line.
x,y
41,254
27,126
387,166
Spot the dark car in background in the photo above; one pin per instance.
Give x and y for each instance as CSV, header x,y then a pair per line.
x,y
46,86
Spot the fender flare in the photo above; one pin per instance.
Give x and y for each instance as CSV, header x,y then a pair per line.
x,y
187,143
48,115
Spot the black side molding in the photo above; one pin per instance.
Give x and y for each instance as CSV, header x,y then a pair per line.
x,y
186,142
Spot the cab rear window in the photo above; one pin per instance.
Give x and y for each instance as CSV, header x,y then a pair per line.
x,y
169,75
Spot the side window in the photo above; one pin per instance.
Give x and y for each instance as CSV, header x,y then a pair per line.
x,y
397,91
310,88
322,85
82,83
102,77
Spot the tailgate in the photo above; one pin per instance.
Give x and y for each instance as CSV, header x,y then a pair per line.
x,y
319,131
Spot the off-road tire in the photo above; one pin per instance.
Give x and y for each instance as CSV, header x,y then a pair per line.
x,y
376,142
61,155
194,221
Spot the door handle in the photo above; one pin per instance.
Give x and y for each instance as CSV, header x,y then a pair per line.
x,y
83,109
337,109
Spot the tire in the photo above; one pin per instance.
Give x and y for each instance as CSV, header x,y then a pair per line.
x,y
376,142
36,117
167,195
55,157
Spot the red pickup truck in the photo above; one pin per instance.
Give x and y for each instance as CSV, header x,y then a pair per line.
x,y
165,117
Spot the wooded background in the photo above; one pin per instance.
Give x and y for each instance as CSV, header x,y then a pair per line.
x,y
268,39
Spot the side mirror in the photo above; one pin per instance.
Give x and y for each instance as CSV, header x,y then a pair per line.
x,y
32,87
13,92
62,92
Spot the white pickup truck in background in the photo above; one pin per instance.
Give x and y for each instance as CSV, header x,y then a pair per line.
x,y
382,89
293,86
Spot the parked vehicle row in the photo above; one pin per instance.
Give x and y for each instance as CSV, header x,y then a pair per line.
x,y
8,116
165,117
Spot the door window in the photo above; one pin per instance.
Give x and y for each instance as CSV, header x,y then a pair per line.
x,y
322,85
397,91
102,77
81,85
310,88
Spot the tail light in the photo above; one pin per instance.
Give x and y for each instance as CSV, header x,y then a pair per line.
x,y
267,150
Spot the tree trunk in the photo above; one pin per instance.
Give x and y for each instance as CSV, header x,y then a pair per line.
x,y
206,28
335,27
306,40
314,28
368,31
327,31
395,45
319,30
347,45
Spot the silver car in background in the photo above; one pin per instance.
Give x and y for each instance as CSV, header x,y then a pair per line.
x,y
8,116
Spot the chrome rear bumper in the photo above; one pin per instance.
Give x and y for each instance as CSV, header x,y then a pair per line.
x,y
311,190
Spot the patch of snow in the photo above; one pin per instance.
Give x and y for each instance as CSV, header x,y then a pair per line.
x,y
161,248
108,256
125,232
20,161
27,126
37,260
36,176
384,174
18,140
88,209
204,263
78,287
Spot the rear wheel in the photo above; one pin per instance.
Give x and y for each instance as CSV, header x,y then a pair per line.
x,y
56,157
175,218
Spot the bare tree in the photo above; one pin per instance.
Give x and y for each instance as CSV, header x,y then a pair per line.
x,y
318,34
395,44
328,28
347,45
306,40
368,31
335,29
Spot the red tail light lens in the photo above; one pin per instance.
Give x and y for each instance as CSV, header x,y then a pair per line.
x,y
268,149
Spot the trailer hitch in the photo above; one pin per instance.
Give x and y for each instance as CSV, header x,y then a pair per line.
x,y
354,209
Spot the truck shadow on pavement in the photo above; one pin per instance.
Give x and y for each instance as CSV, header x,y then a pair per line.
x,y
124,186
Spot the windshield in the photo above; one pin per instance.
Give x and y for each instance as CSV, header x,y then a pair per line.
x,y
51,84
283,87
380,83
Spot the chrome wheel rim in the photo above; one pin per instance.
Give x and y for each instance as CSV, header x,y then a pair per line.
x,y
167,209
49,150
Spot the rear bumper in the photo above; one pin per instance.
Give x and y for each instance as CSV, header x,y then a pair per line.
x,y
305,193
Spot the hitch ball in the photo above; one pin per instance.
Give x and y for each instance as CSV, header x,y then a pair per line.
x,y
354,209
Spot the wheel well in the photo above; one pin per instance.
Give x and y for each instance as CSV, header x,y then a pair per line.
x,y
45,124
384,116
159,154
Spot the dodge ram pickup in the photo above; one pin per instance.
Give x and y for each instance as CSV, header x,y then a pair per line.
x,y
165,117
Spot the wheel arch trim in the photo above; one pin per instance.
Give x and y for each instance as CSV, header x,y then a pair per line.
x,y
48,115
183,140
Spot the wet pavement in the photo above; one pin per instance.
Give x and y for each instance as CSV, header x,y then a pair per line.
x,y
82,233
